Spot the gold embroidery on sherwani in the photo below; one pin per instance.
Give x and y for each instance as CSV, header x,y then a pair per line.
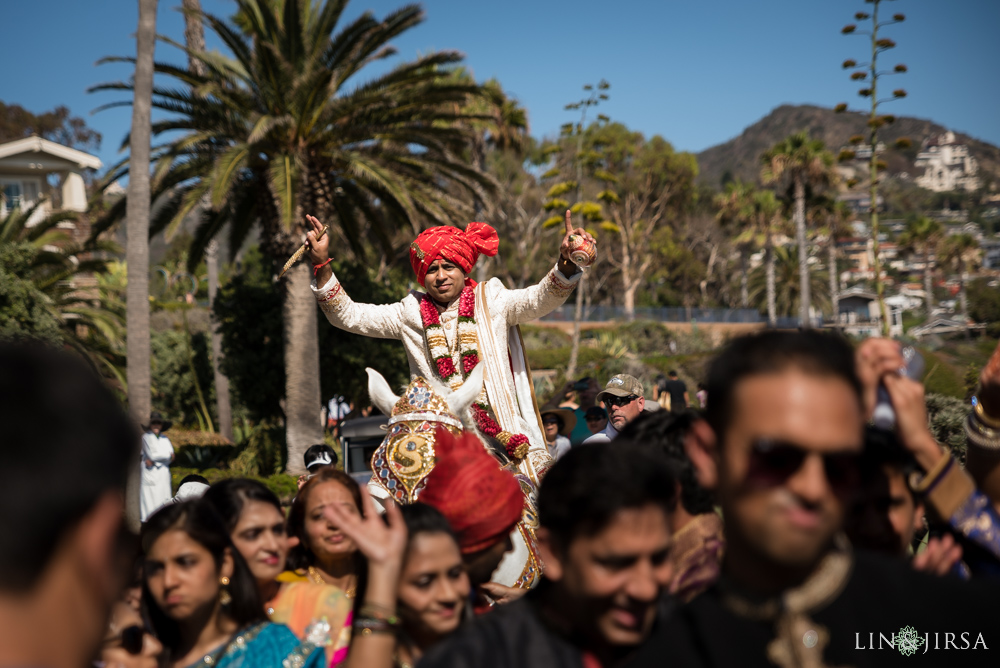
x,y
799,641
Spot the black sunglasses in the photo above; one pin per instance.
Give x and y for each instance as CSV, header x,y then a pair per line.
x,y
620,401
774,462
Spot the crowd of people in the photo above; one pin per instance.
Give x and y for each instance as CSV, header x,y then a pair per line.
x,y
765,523
775,527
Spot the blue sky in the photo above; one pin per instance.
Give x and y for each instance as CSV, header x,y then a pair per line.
x,y
693,71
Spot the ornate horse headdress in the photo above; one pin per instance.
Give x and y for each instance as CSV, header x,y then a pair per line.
x,y
405,457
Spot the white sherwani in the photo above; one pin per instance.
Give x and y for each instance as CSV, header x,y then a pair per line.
x,y
506,381
155,490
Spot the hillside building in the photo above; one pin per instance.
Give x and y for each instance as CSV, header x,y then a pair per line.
x,y
34,168
947,165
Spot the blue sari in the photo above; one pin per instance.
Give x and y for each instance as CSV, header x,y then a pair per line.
x,y
264,645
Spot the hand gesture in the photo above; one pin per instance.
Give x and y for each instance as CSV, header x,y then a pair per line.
x,y
382,542
939,557
319,249
875,359
566,247
879,361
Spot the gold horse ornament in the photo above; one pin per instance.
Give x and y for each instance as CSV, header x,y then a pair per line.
x,y
406,456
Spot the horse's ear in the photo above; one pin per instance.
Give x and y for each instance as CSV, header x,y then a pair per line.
x,y
463,397
380,392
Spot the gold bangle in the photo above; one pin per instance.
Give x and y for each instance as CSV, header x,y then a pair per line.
x,y
982,416
922,484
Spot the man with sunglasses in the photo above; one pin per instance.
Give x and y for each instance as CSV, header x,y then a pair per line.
x,y
66,451
625,402
787,423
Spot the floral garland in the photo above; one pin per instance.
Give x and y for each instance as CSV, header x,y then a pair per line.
x,y
468,357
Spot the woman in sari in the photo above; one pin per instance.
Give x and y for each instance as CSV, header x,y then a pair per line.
x,y
201,598
256,525
324,554
417,592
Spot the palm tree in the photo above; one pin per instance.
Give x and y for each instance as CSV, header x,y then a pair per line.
x,y
194,39
735,214
961,252
137,242
805,161
833,220
89,321
788,297
763,216
922,236
273,133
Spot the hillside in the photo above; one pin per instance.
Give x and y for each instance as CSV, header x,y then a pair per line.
x,y
740,156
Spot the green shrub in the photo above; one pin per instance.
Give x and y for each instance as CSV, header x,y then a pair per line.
x,y
947,416
283,485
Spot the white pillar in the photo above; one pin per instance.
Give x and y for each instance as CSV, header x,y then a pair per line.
x,y
74,193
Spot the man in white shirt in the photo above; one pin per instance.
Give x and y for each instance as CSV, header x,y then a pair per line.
x,y
624,399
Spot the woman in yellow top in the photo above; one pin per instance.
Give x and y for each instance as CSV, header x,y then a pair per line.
x,y
314,611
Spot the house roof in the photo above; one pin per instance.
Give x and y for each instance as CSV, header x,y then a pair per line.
x,y
857,292
35,144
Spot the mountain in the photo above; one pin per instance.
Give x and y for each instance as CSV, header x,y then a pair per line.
x,y
740,157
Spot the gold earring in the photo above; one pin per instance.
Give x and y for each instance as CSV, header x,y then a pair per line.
x,y
224,596
224,581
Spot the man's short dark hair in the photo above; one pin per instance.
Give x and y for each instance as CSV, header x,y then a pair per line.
x,y
663,433
672,373
775,351
66,442
591,483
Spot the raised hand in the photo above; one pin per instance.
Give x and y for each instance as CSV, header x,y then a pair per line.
x,y
382,542
566,246
319,249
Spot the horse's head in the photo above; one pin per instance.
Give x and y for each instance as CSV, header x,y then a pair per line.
x,y
406,456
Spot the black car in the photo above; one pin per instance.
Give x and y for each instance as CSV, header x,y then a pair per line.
x,y
359,437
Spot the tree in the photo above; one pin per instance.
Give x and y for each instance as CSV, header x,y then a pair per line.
x,y
788,294
273,133
833,221
137,248
962,253
42,272
646,186
805,162
870,80
735,212
764,221
57,125
922,236
569,161
194,39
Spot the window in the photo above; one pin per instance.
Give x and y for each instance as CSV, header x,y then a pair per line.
x,y
12,195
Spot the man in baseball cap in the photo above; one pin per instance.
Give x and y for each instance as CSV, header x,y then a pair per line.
x,y
624,399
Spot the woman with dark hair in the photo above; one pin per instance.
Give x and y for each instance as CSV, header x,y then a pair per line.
x,y
433,595
201,598
417,592
256,524
324,554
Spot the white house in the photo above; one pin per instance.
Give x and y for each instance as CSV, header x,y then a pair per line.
x,y
859,314
947,165
33,167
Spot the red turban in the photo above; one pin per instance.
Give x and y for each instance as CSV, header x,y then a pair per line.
x,y
452,244
481,501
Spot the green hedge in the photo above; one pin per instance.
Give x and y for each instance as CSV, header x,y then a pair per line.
x,y
282,484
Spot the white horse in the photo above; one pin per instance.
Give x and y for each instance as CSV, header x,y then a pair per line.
x,y
402,462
